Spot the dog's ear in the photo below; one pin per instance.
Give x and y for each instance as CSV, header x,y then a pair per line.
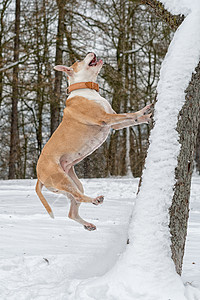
x,y
67,70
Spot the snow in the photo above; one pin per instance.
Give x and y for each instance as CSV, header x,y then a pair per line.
x,y
191,270
42,259
183,7
66,262
29,237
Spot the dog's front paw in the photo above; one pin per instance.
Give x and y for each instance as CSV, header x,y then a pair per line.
x,y
145,119
90,226
98,200
146,110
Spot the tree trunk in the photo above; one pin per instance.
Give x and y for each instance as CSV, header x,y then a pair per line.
x,y
197,157
4,6
187,128
25,147
117,147
55,103
14,135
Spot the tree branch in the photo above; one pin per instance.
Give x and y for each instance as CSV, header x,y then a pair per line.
x,y
174,21
20,61
136,49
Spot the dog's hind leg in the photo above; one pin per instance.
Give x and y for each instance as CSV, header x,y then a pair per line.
x,y
73,213
76,180
62,182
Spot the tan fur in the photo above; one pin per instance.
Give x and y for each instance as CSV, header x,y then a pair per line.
x,y
76,66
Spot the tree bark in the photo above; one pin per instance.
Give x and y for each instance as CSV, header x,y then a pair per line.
x,y
174,21
55,103
14,134
197,158
2,32
187,128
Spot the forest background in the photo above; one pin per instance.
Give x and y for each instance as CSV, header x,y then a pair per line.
x,y
35,36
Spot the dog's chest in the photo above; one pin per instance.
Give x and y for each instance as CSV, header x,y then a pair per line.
x,y
92,95
105,104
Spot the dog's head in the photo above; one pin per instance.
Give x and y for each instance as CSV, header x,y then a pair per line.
x,y
83,71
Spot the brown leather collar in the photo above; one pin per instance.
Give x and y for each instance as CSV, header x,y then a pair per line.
x,y
83,85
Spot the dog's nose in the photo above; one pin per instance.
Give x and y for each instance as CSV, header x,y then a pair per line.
x,y
91,52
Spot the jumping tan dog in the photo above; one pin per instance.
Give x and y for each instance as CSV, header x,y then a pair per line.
x,y
86,123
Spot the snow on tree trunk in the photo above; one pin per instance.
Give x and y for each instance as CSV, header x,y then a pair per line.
x,y
146,271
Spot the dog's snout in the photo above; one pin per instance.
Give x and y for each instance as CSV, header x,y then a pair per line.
x,y
92,53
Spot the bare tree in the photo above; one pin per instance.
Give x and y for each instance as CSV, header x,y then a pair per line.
x,y
14,133
4,7
55,103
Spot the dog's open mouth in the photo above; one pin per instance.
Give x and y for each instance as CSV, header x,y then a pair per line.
x,y
94,61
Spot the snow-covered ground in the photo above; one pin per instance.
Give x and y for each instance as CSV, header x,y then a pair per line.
x,y
46,259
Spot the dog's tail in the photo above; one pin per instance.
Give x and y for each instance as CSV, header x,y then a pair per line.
x,y
38,189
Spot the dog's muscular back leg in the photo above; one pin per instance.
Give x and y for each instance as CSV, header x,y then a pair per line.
x,y
73,212
61,181
67,183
